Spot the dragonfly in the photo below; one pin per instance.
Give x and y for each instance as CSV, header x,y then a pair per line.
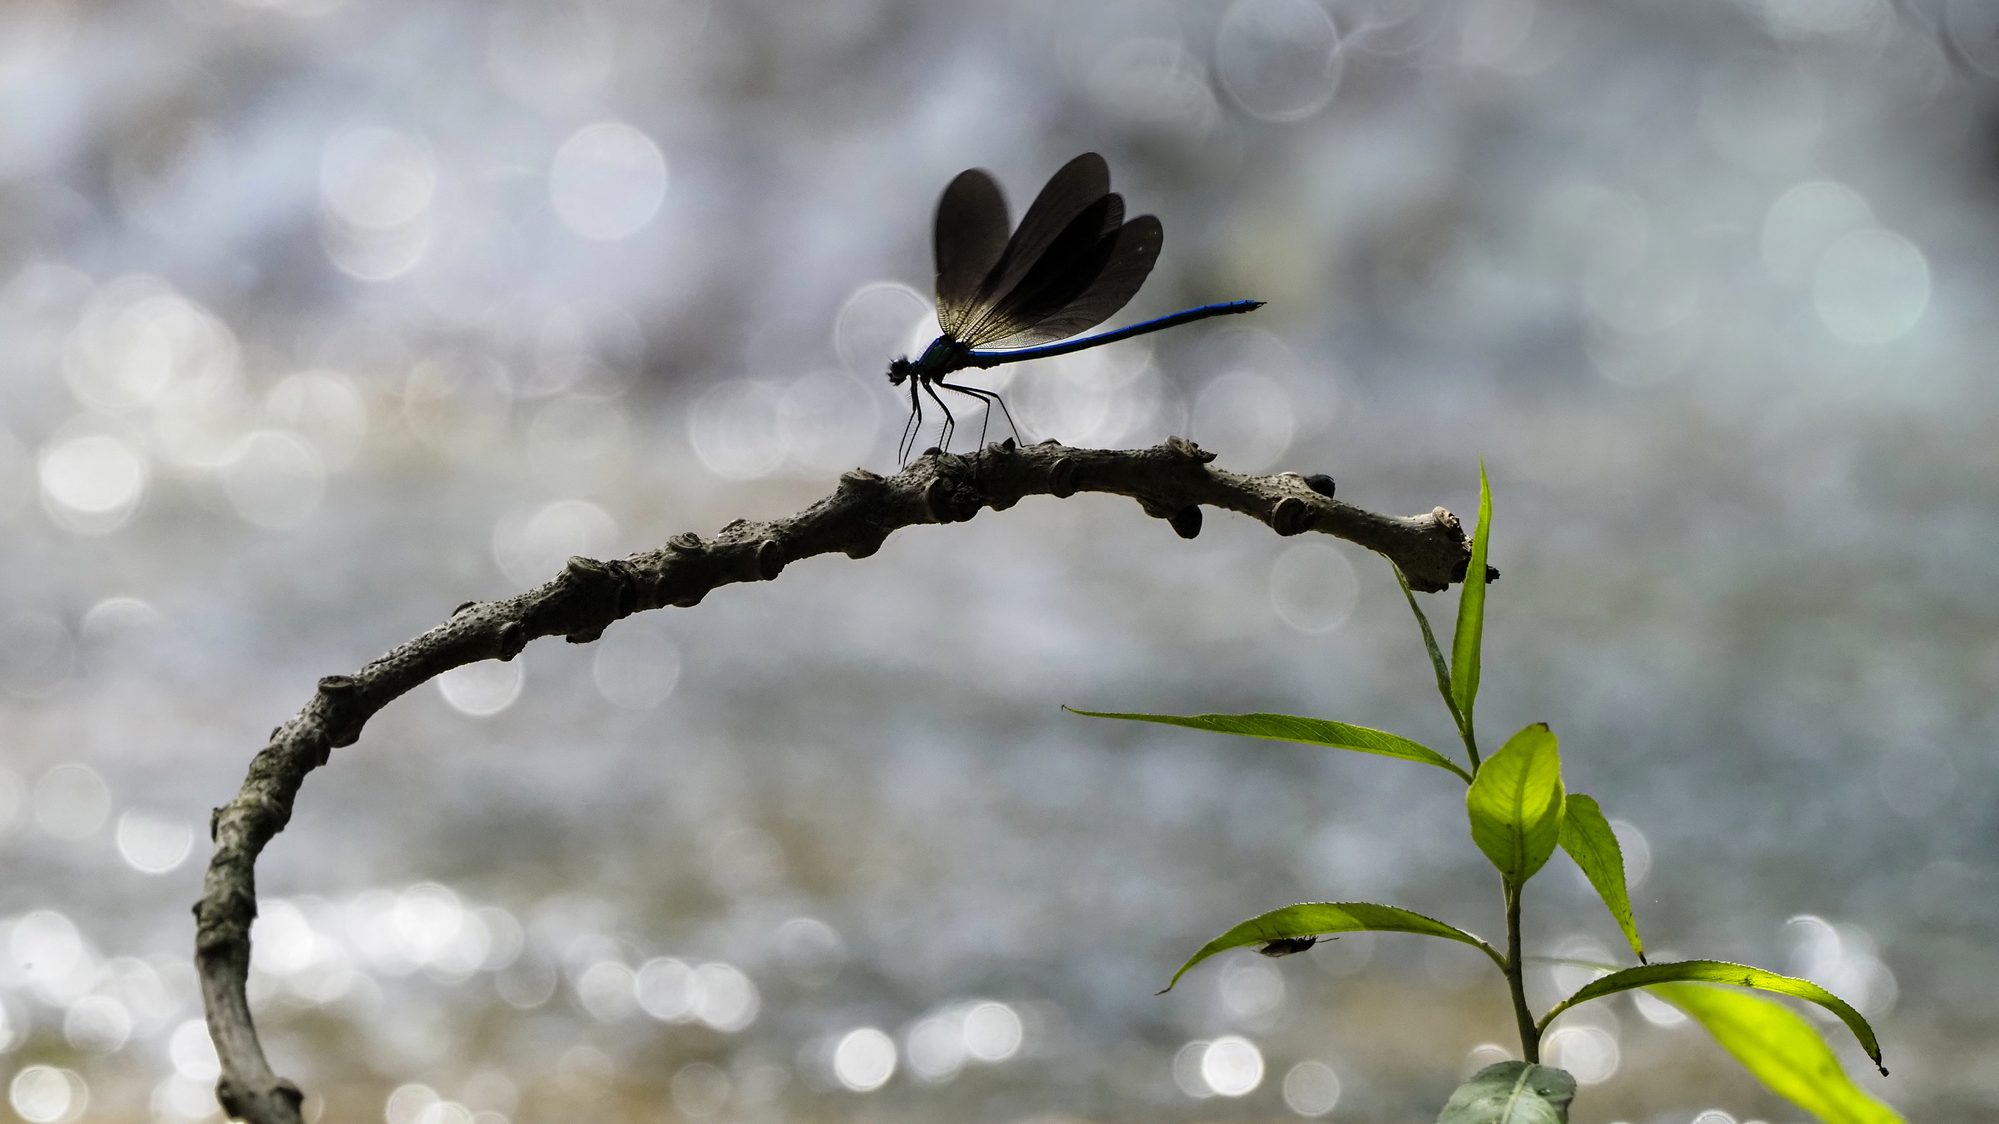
x,y
1071,265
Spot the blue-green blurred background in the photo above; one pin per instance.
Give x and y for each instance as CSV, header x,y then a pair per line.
x,y
319,317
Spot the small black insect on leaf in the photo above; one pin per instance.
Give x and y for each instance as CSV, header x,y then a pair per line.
x,y
1289,946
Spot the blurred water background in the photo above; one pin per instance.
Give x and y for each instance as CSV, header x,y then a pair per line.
x,y
319,317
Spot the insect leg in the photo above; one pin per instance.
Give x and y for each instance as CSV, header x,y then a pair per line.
x,y
989,397
911,426
950,423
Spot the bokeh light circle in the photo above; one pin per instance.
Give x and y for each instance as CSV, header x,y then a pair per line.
x,y
193,1052
408,1104
49,951
1480,1056
1247,417
1154,81
1279,60
935,1048
1590,1054
138,339
1313,587
1232,1066
879,322
664,987
377,255
1311,1088
606,990
1637,848
324,409
992,1032
830,420
530,545
274,480
1096,397
635,666
607,181
153,844
1187,1074
46,1094
864,1059
699,1090
284,939
724,998
98,1024
482,689
1393,28
810,951
91,482
1251,987
1804,220
377,178
1657,1011
1872,286
736,431
71,801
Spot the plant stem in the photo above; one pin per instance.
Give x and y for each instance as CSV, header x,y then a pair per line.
x,y
1516,980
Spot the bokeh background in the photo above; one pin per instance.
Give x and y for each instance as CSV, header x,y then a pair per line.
x,y
319,317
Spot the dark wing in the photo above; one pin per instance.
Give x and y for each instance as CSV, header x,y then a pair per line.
x,y
1073,189
970,236
1066,269
1128,263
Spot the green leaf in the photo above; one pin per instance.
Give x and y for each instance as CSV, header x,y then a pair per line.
x,y
1471,609
1430,645
1780,1049
1317,919
1290,728
1515,803
1512,1093
1587,837
1724,972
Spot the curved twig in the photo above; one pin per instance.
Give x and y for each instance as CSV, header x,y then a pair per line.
x,y
1170,481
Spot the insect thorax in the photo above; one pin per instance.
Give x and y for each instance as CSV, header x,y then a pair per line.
x,y
943,356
